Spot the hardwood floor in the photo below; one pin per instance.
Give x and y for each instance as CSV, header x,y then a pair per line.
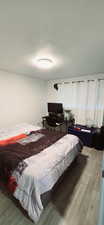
x,y
75,201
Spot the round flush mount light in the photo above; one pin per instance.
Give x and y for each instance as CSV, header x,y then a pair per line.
x,y
45,63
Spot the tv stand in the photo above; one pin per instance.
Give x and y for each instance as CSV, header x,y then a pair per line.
x,y
54,121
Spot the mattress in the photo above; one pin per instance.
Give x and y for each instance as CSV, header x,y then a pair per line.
x,y
43,168
43,171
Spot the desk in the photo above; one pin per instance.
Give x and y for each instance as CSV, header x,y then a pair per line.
x,y
64,122
84,133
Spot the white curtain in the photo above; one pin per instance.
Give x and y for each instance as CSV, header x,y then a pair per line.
x,y
81,102
91,102
85,99
68,96
99,113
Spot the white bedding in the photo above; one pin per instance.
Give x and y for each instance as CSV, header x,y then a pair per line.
x,y
42,172
16,130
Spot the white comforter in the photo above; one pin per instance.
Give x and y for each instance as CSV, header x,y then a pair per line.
x,y
43,171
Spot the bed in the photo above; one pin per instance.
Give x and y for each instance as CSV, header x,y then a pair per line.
x,y
32,164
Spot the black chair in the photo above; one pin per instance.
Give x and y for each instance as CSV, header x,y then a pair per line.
x,y
55,120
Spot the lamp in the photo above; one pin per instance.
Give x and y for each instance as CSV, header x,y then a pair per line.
x,y
44,63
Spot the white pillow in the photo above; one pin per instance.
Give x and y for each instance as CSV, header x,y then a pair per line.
x,y
23,128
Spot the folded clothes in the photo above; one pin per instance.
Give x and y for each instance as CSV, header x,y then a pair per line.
x,y
30,138
84,130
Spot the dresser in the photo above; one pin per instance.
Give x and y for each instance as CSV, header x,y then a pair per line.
x,y
84,133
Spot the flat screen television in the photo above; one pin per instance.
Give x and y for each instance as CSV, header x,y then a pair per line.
x,y
55,108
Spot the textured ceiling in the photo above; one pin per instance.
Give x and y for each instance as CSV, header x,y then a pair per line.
x,y
71,32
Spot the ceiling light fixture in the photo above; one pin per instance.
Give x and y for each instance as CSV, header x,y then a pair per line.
x,y
44,63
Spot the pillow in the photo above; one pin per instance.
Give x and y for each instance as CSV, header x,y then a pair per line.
x,y
12,139
22,128
26,128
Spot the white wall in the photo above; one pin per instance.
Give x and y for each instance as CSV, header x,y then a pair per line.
x,y
22,99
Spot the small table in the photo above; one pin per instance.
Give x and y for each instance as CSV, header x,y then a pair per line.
x,y
84,133
58,124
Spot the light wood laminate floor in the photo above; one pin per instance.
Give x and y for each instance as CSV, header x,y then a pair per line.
x,y
75,201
